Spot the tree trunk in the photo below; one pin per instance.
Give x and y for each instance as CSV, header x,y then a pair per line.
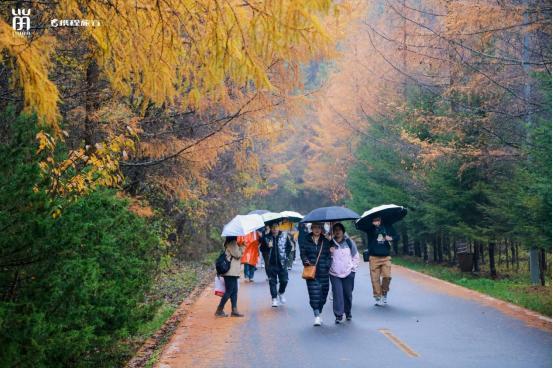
x,y
513,255
440,244
543,266
482,254
405,239
91,101
475,254
425,250
491,254
418,248
454,251
434,249
517,256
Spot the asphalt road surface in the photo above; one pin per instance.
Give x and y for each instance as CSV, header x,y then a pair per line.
x,y
425,324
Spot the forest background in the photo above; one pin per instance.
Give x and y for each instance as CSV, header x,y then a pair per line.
x,y
125,147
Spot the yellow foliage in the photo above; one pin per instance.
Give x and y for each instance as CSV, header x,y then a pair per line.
x,y
32,63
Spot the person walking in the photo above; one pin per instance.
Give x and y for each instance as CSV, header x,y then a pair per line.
x,y
345,260
275,247
315,251
251,253
233,253
379,238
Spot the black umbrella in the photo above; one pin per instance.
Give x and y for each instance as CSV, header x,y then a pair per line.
x,y
389,213
330,214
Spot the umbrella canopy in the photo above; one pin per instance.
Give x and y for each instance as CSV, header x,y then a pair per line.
x,y
389,213
291,216
327,214
258,212
271,217
242,225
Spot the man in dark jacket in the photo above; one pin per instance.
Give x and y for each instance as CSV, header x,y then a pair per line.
x,y
276,247
379,239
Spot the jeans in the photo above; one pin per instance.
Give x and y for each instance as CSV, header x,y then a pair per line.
x,y
231,291
280,273
249,270
342,294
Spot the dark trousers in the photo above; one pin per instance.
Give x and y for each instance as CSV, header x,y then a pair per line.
x,y
342,295
277,274
231,291
249,271
291,258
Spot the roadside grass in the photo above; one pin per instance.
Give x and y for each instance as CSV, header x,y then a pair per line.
x,y
174,284
514,288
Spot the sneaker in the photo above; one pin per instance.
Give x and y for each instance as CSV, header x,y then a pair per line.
x,y
251,280
275,303
378,301
281,299
348,317
384,299
339,320
289,268
318,321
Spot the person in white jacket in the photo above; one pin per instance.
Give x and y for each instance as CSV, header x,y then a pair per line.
x,y
345,260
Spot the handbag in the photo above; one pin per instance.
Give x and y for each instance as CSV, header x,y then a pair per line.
x,y
309,272
219,288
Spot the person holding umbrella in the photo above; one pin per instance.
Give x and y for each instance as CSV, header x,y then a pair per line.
x,y
315,251
238,226
315,254
377,223
234,252
276,246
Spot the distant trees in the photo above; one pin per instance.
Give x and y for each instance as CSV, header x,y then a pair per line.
x,y
446,108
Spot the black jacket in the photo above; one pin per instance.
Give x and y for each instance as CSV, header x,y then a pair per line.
x,y
318,288
271,254
380,248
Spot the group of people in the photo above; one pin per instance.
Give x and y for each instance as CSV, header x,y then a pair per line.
x,y
333,254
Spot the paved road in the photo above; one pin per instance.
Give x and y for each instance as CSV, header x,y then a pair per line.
x,y
421,327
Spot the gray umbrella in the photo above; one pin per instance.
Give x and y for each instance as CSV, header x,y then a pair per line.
x,y
330,214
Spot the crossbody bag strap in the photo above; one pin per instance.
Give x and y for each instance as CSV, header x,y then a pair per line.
x,y
320,250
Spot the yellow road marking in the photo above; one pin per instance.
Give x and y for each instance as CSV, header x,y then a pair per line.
x,y
397,342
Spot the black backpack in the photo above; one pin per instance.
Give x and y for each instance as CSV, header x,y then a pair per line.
x,y
222,264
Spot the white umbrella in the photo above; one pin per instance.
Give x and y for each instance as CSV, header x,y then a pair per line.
x,y
291,215
390,213
242,225
271,217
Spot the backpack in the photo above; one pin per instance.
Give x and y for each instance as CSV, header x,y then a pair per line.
x,y
222,264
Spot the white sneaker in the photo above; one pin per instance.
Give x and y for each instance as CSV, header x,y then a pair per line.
x,y
281,299
378,301
275,303
384,299
318,321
